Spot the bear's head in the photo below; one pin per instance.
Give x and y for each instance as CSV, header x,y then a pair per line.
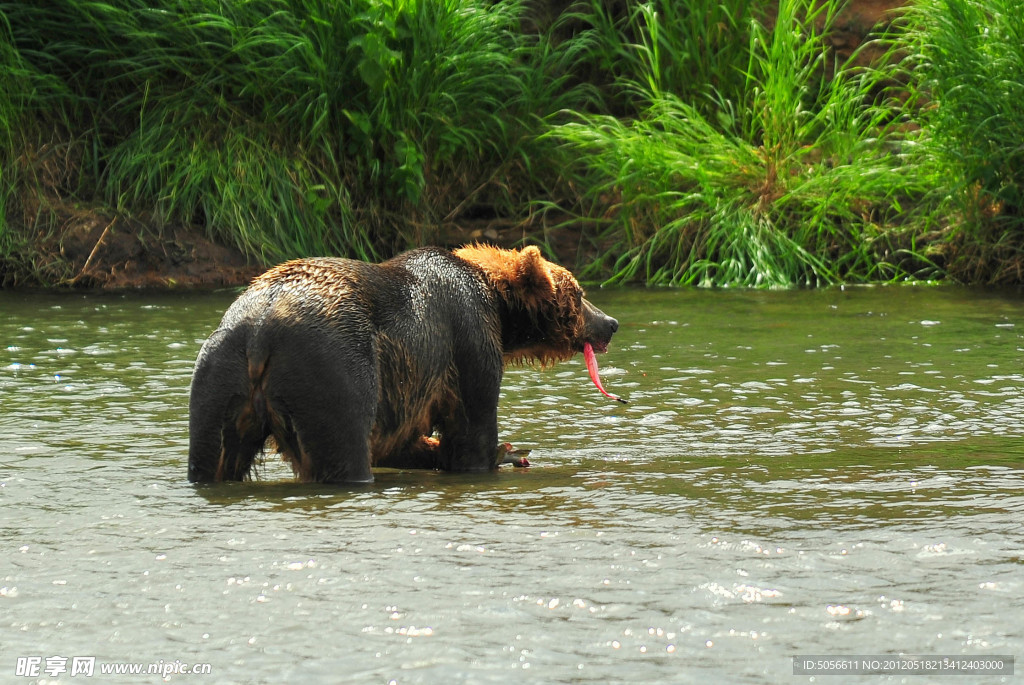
x,y
544,315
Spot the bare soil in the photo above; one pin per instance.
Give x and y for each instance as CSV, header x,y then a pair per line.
x,y
92,249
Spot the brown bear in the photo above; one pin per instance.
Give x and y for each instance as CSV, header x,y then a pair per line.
x,y
347,365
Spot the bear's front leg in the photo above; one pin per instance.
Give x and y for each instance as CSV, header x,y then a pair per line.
x,y
471,444
469,429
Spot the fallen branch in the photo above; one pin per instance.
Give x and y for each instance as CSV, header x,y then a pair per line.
x,y
92,254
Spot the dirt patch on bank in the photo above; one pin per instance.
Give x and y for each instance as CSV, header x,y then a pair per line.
x,y
92,248
86,248
120,255
859,20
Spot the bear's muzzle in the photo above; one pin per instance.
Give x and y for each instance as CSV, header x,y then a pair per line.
x,y
598,327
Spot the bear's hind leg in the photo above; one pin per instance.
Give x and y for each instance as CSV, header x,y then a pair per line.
x,y
227,425
328,414
243,434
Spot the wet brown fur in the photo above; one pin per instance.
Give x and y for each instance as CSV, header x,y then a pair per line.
x,y
420,331
548,295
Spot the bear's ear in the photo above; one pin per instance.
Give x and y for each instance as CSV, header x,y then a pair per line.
x,y
532,275
523,278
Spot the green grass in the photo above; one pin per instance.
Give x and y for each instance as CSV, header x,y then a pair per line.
x,y
288,128
696,50
31,105
702,143
802,179
967,65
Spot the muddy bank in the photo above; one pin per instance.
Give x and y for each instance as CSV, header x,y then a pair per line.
x,y
92,248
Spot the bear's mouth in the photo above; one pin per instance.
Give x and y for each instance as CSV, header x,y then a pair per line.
x,y
599,346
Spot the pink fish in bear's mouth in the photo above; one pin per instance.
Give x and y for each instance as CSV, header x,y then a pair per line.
x,y
591,358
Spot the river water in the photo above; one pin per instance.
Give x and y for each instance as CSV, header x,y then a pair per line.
x,y
829,472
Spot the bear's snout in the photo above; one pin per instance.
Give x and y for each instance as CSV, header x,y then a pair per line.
x,y
599,327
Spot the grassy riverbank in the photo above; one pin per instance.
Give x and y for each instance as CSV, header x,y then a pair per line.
x,y
699,144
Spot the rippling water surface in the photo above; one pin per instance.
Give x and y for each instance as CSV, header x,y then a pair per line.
x,y
835,472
